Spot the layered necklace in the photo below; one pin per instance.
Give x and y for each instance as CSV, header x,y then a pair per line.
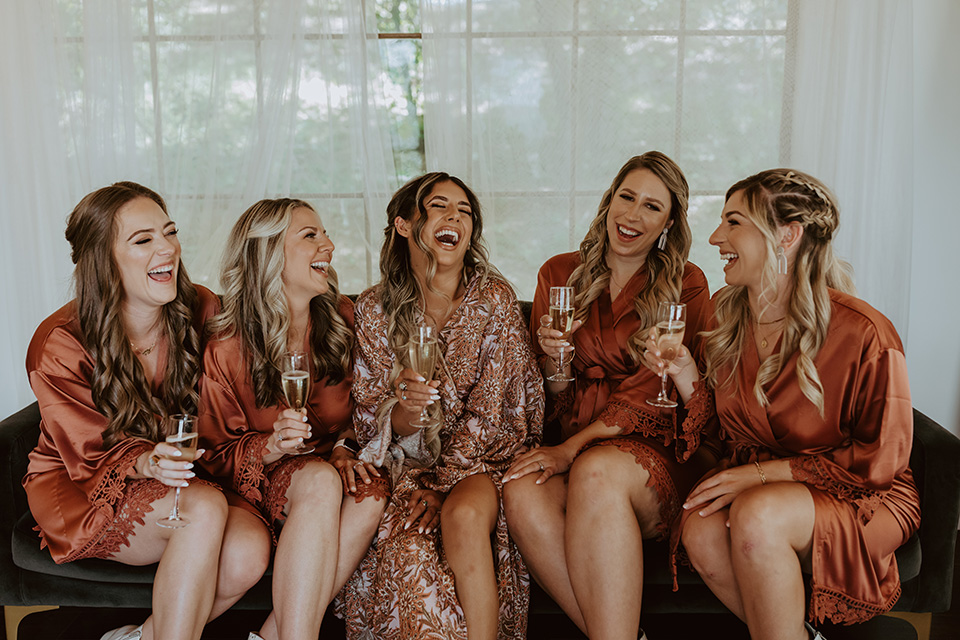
x,y
763,339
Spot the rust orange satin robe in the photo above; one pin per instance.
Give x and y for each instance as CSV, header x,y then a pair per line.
x,y
235,431
853,459
78,492
610,386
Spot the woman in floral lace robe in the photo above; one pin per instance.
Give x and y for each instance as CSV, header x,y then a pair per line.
x,y
432,572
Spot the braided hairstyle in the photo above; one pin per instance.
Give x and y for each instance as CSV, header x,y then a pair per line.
x,y
775,198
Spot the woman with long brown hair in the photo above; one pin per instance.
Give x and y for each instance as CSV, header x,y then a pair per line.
x,y
105,368
814,405
280,295
433,571
580,510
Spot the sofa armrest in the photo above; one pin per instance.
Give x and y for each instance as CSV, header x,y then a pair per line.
x,y
935,461
18,436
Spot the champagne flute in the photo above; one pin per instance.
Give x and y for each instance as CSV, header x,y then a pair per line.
x,y
422,349
295,379
561,314
180,431
671,321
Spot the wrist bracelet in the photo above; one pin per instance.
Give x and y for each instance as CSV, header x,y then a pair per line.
x,y
763,477
349,444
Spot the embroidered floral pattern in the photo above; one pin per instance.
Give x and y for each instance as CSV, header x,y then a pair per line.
x,y
842,609
810,469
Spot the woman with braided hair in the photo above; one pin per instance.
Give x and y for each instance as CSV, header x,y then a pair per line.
x,y
580,510
814,408
442,564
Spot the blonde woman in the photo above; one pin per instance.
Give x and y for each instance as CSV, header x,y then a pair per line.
x,y
814,405
104,368
580,510
433,571
280,294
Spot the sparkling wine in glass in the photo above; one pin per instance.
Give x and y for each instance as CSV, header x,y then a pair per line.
x,y
180,431
561,314
295,380
671,322
422,350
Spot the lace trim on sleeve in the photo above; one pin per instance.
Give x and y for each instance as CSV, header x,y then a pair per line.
x,y
700,410
249,475
112,485
810,469
633,420
559,405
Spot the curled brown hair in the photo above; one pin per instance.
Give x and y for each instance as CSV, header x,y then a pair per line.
x,y
119,387
665,266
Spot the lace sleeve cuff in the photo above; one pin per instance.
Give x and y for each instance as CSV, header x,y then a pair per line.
x,y
812,470
700,410
630,419
111,485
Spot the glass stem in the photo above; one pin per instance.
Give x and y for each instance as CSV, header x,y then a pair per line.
x,y
175,515
663,382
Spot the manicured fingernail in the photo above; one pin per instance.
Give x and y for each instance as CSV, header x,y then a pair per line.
x,y
185,484
701,513
191,475
304,419
178,453
189,465
421,379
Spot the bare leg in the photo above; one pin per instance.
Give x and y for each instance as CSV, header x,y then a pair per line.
x,y
305,564
536,516
186,580
358,525
771,533
467,519
610,509
707,541
244,557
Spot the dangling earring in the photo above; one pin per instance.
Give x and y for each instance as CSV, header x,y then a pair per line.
x,y
781,262
662,241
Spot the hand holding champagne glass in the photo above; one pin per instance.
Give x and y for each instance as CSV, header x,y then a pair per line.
x,y
561,317
671,321
422,350
181,432
295,378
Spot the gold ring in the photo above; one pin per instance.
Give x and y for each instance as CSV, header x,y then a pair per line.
x,y
402,386
154,460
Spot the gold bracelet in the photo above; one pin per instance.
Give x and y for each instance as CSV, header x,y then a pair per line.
x,y
763,477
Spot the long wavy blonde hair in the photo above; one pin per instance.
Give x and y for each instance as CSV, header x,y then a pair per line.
x,y
776,198
120,390
255,307
665,266
401,295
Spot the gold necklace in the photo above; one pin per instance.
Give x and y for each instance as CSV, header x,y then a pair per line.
x,y
617,285
763,341
144,352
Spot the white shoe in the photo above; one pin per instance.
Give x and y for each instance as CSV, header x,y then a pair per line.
x,y
814,634
128,632
643,636
254,636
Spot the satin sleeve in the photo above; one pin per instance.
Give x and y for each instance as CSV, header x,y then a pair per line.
x,y
880,438
235,449
72,427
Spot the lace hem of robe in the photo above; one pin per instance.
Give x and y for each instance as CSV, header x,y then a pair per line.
x,y
659,479
840,608
113,485
634,421
276,481
809,469
250,473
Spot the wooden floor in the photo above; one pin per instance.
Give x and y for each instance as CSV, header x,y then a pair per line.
x,y
69,623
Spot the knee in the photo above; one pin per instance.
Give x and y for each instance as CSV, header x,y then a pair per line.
x,y
756,521
599,471
245,554
468,518
519,498
205,504
318,483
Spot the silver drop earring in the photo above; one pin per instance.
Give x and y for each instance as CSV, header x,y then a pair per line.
x,y
662,241
781,262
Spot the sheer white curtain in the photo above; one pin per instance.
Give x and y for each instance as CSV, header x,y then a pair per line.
x,y
853,129
538,104
213,103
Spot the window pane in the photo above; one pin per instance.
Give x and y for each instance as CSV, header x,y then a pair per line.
x,y
630,14
394,16
703,215
403,98
737,14
521,15
220,18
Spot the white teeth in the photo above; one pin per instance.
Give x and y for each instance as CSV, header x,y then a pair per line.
x,y
320,264
447,236
165,269
627,232
728,256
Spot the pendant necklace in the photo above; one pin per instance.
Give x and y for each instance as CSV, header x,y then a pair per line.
x,y
763,341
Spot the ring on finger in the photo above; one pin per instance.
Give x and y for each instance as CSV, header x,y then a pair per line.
x,y
539,462
425,503
279,436
402,386
358,465
403,395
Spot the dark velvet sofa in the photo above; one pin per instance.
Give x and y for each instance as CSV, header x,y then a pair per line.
x,y
28,576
